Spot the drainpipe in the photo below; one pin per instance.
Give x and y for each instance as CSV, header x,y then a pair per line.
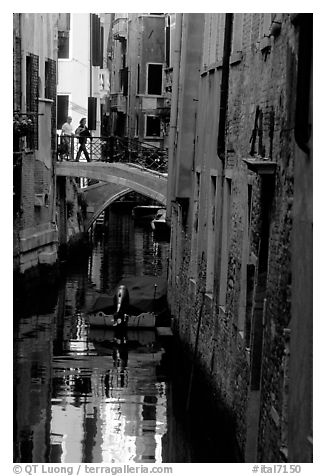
x,y
174,112
224,85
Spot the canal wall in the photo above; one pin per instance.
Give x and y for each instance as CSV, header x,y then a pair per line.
x,y
71,218
34,61
219,354
35,232
231,262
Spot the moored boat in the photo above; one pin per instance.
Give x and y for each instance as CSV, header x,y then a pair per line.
x,y
159,223
142,320
137,303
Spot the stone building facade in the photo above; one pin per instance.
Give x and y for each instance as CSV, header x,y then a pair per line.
x,y
139,103
240,132
35,79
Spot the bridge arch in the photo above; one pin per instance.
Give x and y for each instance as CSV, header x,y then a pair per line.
x,y
146,182
122,178
104,205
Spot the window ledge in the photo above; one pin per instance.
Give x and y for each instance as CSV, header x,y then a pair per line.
x,y
192,281
265,44
236,57
151,95
222,311
209,296
206,69
228,173
46,100
261,166
209,300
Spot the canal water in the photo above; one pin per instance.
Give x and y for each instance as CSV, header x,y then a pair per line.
x,y
82,396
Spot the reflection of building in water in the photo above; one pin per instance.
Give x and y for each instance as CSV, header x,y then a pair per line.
x,y
115,414
95,265
139,250
67,421
32,388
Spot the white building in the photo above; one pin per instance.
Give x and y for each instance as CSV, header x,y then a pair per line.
x,y
82,75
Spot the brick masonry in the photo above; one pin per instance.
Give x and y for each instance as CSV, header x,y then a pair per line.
x,y
35,232
261,94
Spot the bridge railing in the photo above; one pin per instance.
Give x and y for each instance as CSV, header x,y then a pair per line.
x,y
115,149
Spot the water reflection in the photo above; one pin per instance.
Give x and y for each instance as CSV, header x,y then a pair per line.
x,y
84,395
107,404
116,256
89,395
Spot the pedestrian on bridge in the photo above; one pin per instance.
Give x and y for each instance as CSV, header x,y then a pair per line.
x,y
82,132
66,135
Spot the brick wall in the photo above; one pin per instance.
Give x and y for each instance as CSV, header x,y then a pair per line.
x,y
35,234
243,346
267,83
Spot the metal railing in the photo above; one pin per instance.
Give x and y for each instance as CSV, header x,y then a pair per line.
x,y
115,149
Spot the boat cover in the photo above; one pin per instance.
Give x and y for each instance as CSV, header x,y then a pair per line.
x,y
143,296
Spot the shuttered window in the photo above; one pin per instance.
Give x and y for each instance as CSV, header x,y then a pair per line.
x,y
63,104
32,95
154,79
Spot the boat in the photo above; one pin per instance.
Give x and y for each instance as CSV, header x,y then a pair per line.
x,y
143,320
159,223
138,302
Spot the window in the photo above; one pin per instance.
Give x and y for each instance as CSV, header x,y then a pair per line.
x,y
32,95
265,24
63,44
137,126
123,73
29,75
225,240
63,35
220,36
249,207
211,236
153,126
167,41
154,79
237,33
96,40
63,104
138,79
194,236
50,92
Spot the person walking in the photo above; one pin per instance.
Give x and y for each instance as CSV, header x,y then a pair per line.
x,y
66,135
82,132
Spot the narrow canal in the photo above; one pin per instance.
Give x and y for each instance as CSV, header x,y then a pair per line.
x,y
79,396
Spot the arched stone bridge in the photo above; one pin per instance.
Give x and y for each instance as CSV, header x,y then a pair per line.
x,y
122,177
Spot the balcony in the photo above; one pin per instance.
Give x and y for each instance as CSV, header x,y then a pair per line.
x,y
119,102
119,29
